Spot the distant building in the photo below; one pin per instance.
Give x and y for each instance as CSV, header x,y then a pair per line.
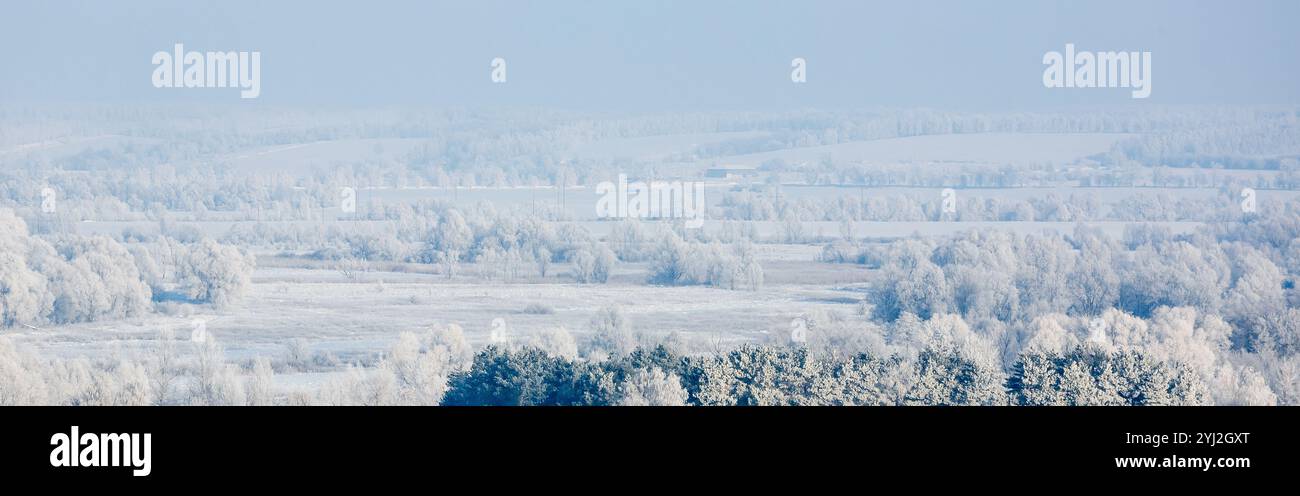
x,y
731,172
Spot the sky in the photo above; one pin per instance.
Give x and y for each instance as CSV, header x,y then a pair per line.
x,y
625,55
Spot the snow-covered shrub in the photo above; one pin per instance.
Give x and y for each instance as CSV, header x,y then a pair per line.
x,y
556,341
652,388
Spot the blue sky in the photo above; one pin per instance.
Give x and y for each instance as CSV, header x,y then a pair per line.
x,y
654,55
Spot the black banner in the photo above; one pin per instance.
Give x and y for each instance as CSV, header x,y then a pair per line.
x,y
324,446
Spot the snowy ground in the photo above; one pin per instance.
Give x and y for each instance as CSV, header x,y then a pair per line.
x,y
356,319
973,148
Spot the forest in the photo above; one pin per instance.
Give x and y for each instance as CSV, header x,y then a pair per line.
x,y
203,255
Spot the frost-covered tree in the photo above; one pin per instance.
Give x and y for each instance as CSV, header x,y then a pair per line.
x,y
593,264
1256,287
163,367
359,386
1046,263
831,335
652,388
216,382
668,264
124,383
556,341
911,283
451,337
748,273
1094,282
1174,274
681,262
1241,385
217,274
260,390
584,266
76,279
94,278
542,259
520,378
947,376
453,236
24,297
1092,377
612,333
1051,334
21,380
419,373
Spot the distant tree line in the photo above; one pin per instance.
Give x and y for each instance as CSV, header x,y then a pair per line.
x,y
768,204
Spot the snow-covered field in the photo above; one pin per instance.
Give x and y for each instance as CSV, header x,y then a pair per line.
x,y
975,148
357,319
653,147
301,157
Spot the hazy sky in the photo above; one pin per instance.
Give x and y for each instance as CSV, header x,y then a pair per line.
x,y
653,55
